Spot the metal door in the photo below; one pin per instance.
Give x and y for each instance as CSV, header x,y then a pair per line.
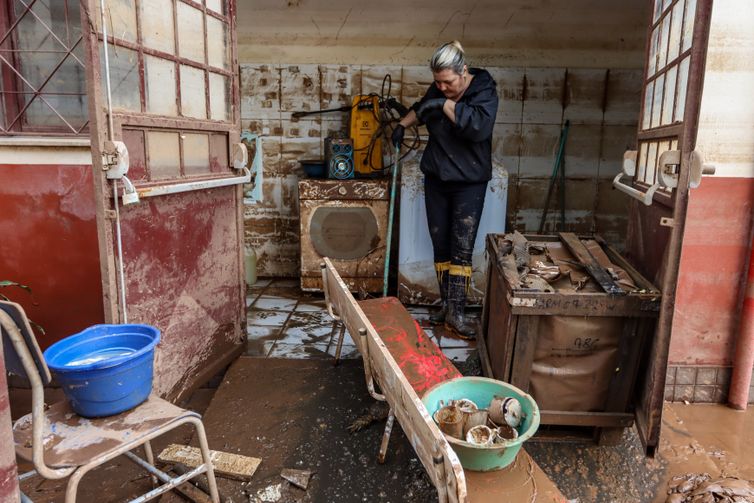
x,y
163,88
676,49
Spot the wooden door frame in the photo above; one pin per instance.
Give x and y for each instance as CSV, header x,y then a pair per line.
x,y
651,398
98,121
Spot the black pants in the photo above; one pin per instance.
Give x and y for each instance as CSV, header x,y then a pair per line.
x,y
453,214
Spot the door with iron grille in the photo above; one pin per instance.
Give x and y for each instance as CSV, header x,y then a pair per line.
x,y
657,176
163,104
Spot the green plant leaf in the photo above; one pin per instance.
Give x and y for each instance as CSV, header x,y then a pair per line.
x,y
5,283
36,326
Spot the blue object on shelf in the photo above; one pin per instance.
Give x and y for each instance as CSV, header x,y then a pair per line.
x,y
106,369
314,168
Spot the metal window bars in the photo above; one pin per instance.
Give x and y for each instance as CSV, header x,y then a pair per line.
x,y
20,56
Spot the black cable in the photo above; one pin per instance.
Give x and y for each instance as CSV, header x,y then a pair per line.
x,y
388,113
387,117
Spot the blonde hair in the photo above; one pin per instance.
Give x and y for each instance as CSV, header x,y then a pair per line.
x,y
448,56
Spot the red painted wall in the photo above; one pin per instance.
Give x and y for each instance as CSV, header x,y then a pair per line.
x,y
8,470
713,262
48,241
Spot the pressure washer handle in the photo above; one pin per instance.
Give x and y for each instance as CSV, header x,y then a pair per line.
x,y
299,114
391,213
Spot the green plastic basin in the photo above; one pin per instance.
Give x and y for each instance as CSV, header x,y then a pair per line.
x,y
481,390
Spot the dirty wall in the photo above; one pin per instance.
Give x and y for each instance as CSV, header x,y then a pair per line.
x,y
719,222
514,33
601,104
50,235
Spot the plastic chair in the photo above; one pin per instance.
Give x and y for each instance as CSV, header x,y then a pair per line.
x,y
61,444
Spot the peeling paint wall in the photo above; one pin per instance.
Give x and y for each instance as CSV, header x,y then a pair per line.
x,y
601,104
583,33
719,221
48,237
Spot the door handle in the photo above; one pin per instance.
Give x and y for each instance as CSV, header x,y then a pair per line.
x,y
629,169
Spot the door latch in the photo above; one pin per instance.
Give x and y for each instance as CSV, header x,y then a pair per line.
x,y
115,159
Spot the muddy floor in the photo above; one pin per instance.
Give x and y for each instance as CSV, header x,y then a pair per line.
x,y
295,414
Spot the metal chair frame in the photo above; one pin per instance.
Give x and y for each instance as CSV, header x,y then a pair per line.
x,y
35,372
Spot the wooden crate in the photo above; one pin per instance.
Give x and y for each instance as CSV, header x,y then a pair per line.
x,y
519,317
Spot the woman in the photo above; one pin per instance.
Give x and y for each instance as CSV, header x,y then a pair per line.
x,y
459,110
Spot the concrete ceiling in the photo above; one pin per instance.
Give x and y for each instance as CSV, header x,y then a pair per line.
x,y
586,33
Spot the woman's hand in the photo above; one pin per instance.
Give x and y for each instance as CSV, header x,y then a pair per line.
x,y
430,107
397,136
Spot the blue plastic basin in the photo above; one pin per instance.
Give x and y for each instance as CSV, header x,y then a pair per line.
x,y
106,369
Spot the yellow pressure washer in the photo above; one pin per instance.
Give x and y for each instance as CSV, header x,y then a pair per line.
x,y
371,118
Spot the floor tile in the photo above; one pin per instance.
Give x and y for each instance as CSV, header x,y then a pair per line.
x,y
458,354
256,332
313,305
346,352
258,348
422,318
445,339
303,318
451,343
267,318
286,283
286,293
299,351
275,303
347,339
310,334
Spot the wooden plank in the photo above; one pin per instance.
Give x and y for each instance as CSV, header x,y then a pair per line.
x,y
583,304
510,335
431,447
600,275
525,346
499,330
617,259
484,357
225,464
568,418
299,478
520,250
505,262
486,299
621,382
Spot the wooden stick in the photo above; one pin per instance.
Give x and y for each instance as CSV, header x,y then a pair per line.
x,y
232,466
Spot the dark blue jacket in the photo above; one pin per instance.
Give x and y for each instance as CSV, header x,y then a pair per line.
x,y
462,152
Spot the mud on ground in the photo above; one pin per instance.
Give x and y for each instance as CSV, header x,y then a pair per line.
x,y
295,414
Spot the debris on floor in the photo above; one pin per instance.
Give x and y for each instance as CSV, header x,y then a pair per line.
x,y
232,466
269,494
189,490
701,488
299,478
377,412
